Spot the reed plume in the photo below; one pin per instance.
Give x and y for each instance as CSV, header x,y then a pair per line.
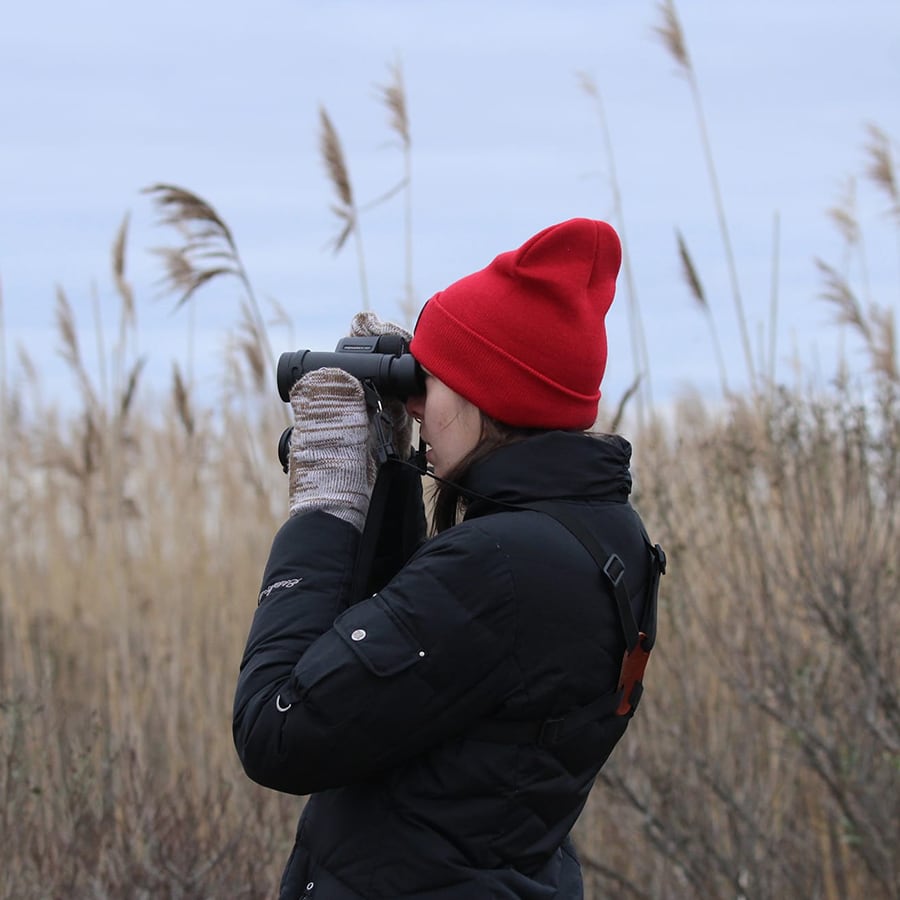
x,y
873,323
840,295
346,208
123,286
70,348
207,252
671,34
249,342
695,286
182,401
881,168
843,215
689,270
393,97
875,326
883,345
131,385
336,167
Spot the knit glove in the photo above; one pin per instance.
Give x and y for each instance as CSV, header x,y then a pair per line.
x,y
330,467
367,324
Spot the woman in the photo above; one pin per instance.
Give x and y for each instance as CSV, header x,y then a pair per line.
x,y
449,726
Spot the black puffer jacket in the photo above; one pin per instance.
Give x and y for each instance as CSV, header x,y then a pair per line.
x,y
375,708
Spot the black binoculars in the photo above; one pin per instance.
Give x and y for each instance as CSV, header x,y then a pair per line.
x,y
381,362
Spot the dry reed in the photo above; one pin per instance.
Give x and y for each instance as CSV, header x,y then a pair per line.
x,y
643,381
695,286
346,208
393,96
763,762
671,34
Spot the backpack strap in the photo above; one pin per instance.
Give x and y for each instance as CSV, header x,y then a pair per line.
x,y
393,486
610,564
639,641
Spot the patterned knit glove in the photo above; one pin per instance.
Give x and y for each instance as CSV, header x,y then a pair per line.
x,y
367,324
330,466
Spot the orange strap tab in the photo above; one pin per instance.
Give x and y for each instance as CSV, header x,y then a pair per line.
x,y
632,676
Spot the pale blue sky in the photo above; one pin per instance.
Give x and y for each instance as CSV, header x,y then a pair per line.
x,y
100,99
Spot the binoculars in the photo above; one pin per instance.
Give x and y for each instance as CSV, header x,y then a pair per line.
x,y
381,362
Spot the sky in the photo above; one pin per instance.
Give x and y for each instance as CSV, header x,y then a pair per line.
x,y
99,100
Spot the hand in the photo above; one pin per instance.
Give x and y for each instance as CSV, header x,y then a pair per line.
x,y
330,467
367,324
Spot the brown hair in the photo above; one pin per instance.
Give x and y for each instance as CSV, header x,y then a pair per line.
x,y
449,495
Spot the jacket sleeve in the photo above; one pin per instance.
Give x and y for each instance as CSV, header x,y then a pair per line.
x,y
328,694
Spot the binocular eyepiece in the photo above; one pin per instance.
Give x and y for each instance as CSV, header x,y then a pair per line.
x,y
382,363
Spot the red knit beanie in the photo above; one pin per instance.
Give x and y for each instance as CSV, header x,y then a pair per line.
x,y
524,339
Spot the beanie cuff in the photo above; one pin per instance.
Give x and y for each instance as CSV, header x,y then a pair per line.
x,y
517,394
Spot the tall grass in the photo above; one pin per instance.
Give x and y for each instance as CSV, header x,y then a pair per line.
x,y
132,538
642,386
765,761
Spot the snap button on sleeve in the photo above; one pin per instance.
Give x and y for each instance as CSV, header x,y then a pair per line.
x,y
378,637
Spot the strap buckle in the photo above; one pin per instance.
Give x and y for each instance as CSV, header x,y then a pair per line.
x,y
383,444
614,569
550,732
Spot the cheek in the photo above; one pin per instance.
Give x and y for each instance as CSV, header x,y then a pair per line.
x,y
444,413
471,427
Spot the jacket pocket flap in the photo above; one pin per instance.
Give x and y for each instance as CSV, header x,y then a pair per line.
x,y
382,643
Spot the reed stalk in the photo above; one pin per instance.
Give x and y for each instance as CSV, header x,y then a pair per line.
x,y
393,96
672,36
639,353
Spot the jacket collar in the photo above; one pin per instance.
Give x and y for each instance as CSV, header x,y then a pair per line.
x,y
554,465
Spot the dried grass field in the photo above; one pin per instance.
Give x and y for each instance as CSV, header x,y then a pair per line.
x,y
765,759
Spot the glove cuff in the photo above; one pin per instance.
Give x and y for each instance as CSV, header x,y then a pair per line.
x,y
368,324
338,484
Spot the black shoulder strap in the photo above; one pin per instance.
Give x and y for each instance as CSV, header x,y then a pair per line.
x,y
638,643
395,526
610,565
394,474
371,530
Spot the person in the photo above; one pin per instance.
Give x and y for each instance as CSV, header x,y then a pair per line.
x,y
449,725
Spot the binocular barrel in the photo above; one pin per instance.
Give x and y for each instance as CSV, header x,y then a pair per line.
x,y
392,375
